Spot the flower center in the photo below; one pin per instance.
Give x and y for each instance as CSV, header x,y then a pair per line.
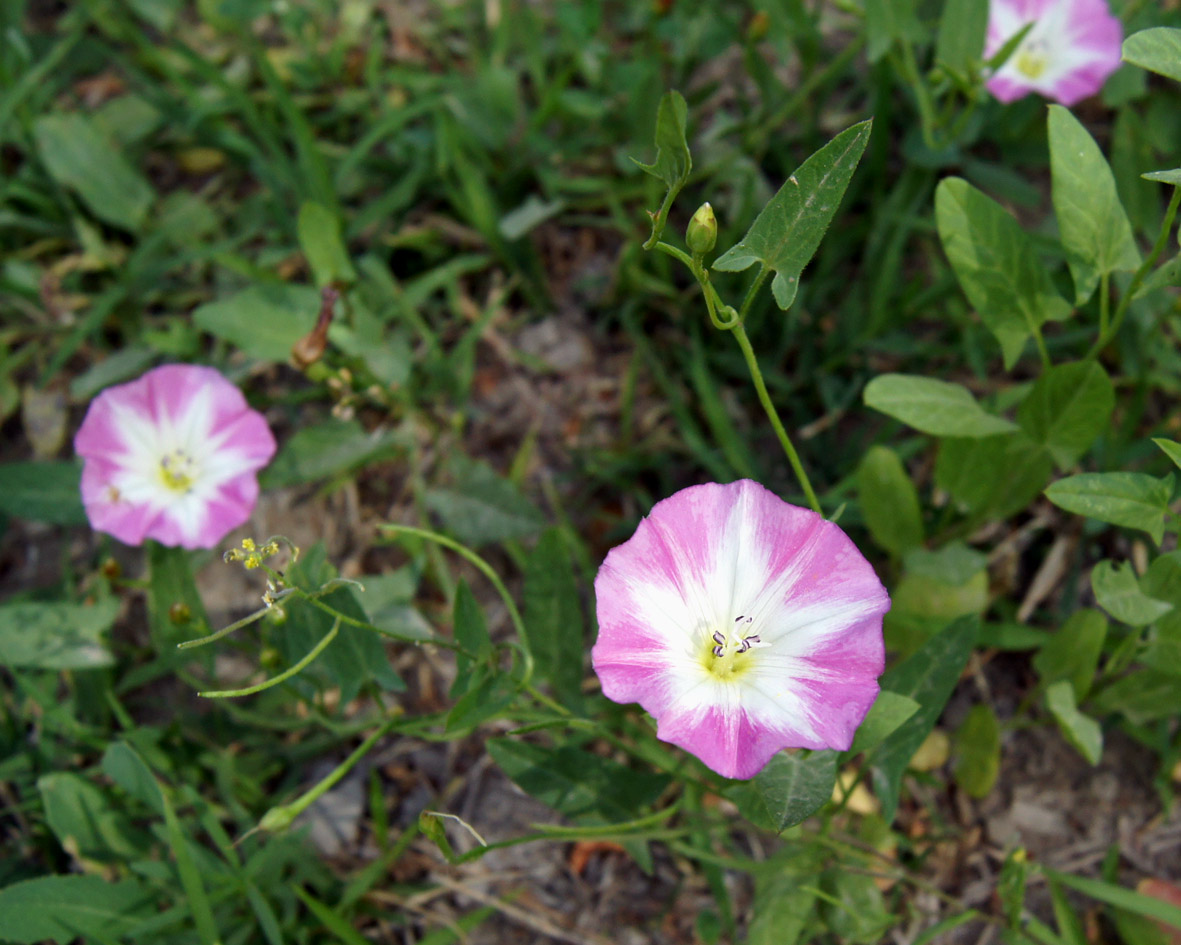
x,y
725,654
1031,60
178,470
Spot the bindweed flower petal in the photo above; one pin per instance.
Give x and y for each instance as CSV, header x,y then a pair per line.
x,y
1068,53
172,456
743,624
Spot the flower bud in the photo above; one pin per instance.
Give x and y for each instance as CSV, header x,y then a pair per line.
x,y
180,613
702,231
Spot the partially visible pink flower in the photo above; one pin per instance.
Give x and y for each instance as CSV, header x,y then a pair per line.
x,y
172,456
743,624
1073,46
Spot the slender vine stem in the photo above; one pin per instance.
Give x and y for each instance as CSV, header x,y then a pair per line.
x,y
292,670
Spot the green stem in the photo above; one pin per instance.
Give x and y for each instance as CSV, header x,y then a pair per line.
x,y
765,399
1043,353
1162,240
910,69
283,676
1104,302
279,817
484,568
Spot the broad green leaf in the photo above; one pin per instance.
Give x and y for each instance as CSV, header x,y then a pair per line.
x,y
1012,637
931,406
1132,500
996,265
673,162
327,449
978,751
1162,650
955,563
1095,230
792,787
1069,406
489,692
1157,50
854,909
43,491
480,507
962,26
1172,449
923,596
785,897
785,235
928,677
79,158
61,908
1118,592
576,782
887,713
889,501
993,477
85,821
1143,696
123,765
322,244
357,655
37,635
553,617
1072,653
171,590
1081,731
264,321
887,22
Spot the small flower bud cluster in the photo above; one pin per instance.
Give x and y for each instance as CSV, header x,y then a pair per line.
x,y
251,555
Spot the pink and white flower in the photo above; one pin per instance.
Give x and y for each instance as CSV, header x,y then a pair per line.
x,y
1068,53
172,456
743,624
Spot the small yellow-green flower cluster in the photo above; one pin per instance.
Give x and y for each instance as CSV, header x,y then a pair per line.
x,y
250,554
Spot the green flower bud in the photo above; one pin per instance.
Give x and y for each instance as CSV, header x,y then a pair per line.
x,y
702,231
276,819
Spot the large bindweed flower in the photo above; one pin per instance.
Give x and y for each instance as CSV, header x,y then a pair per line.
x,y
1068,53
172,456
743,624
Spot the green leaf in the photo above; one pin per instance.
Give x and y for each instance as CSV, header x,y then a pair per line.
x,y
81,159
1132,500
931,406
171,585
673,161
123,765
47,491
1162,650
1094,228
978,751
489,692
471,632
553,617
1118,592
1072,653
1164,276
1172,449
60,908
577,783
1081,731
264,321
955,563
962,27
1119,897
996,265
321,242
55,635
889,501
887,22
85,821
789,790
1143,696
993,477
327,449
887,713
787,232
1069,406
928,677
785,896
1172,176
480,507
1157,50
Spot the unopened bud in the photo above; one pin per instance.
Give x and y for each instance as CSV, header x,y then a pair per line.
x,y
310,348
111,569
276,819
180,613
702,231
758,26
